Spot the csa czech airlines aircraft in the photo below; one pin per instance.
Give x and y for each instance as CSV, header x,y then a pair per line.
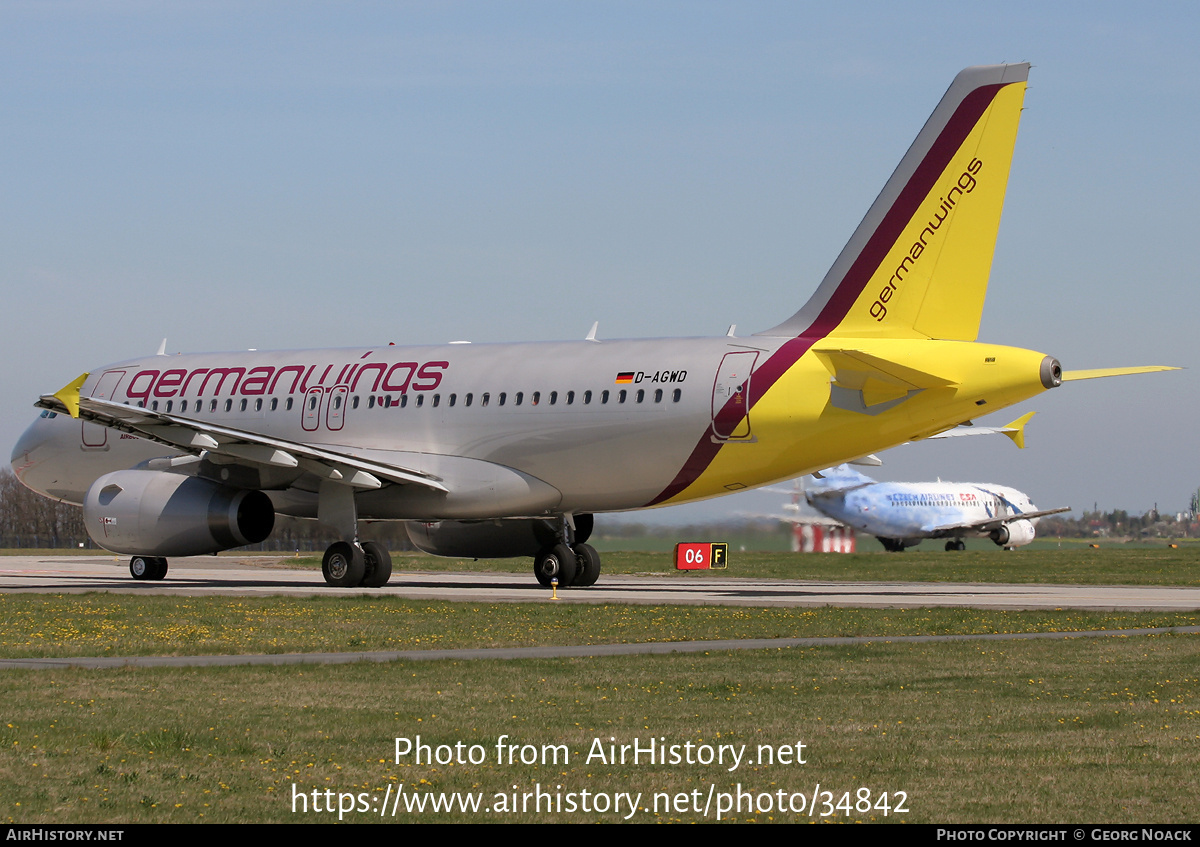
x,y
900,514
510,449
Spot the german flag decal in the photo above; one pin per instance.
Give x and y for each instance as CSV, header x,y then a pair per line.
x,y
624,377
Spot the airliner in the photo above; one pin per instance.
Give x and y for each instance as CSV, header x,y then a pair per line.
x,y
506,450
901,514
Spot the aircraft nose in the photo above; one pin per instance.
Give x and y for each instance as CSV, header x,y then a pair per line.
x,y
32,449
25,447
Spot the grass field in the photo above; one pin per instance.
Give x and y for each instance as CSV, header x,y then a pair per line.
x,y
1091,730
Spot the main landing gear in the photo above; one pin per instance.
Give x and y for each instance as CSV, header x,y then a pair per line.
x,y
956,544
571,561
349,565
147,567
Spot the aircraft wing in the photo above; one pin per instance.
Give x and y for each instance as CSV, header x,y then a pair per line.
x,y
200,437
987,524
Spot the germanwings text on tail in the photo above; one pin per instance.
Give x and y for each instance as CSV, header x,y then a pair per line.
x,y
511,449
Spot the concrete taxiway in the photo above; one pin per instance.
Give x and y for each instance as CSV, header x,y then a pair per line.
x,y
244,577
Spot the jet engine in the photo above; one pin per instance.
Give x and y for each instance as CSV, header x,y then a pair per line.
x,y
1015,534
155,513
500,539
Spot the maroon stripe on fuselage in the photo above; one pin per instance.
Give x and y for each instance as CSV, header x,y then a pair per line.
x,y
907,202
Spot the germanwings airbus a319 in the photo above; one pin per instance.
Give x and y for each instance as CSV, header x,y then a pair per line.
x,y
901,514
510,449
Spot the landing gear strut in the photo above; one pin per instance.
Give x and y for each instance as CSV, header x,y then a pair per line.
x,y
350,563
956,544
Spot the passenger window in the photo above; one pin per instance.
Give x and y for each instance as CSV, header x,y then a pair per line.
x,y
678,394
587,397
353,403
258,405
518,398
451,401
641,395
658,395
371,402
229,405
553,397
437,398
154,405
467,401
570,397
484,400
502,396
621,395
275,403
537,395
403,401
212,405
289,404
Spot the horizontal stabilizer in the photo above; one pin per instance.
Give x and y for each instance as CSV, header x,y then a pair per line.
x,y
879,379
853,368
1096,373
1014,430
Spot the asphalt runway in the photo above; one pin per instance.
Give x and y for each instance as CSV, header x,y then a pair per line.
x,y
248,577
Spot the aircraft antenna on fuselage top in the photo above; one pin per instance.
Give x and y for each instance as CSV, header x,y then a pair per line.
x,y
918,264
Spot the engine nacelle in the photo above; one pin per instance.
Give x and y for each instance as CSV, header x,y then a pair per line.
x,y
499,539
1015,534
155,513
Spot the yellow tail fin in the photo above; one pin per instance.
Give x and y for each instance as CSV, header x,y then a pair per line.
x,y
918,264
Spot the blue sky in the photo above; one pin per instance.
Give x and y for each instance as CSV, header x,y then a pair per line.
x,y
235,175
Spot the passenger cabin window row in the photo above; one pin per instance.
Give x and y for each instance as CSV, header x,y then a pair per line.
x,y
402,401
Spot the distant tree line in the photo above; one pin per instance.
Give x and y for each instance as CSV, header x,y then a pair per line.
x,y
31,520
1119,524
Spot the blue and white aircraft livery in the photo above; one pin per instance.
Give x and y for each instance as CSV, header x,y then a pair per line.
x,y
902,514
511,449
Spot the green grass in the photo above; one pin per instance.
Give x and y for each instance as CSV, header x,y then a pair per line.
x,y
39,625
1078,731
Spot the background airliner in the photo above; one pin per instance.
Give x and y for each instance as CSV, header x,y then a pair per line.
x,y
510,449
901,514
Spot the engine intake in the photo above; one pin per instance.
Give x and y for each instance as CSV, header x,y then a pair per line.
x,y
155,513
1015,534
